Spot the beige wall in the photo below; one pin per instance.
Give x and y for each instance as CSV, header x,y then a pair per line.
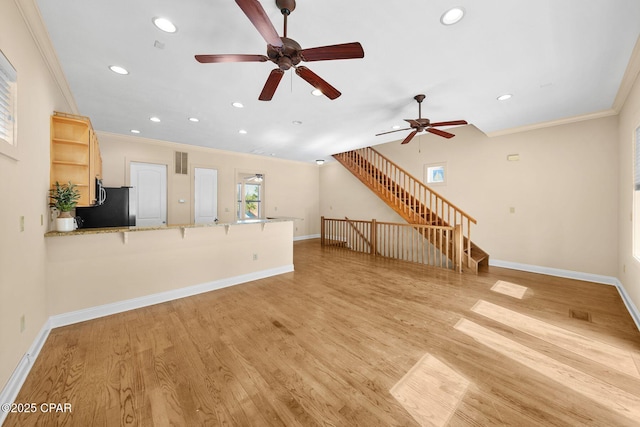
x,y
628,267
24,193
563,190
291,188
108,270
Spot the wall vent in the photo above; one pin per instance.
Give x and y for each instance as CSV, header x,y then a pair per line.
x,y
181,163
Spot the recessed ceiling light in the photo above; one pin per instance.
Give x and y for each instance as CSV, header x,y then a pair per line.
x,y
452,16
319,162
316,92
118,69
238,104
194,119
164,24
296,122
242,132
135,131
504,97
155,119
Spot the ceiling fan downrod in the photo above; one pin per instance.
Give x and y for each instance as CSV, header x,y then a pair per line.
x,y
419,98
286,7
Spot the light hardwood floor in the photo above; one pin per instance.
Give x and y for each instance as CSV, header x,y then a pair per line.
x,y
352,340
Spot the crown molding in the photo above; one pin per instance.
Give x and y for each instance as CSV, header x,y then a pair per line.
x,y
629,78
33,19
551,123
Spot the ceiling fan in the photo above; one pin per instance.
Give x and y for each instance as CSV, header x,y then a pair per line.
x,y
285,52
420,124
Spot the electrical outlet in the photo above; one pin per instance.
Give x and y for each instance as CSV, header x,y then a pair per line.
x,y
255,257
41,219
22,323
22,223
512,210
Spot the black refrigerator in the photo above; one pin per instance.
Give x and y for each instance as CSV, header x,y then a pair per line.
x,y
114,212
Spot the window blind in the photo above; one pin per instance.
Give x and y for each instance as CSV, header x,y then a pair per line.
x,y
7,101
637,161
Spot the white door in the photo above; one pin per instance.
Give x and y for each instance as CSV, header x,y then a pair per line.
x,y
148,197
205,195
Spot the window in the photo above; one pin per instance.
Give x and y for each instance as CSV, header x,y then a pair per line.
x,y
435,173
249,196
8,107
636,196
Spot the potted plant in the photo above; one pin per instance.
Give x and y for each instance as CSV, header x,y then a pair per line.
x,y
64,198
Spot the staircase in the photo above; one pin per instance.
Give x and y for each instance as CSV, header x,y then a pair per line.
x,y
412,200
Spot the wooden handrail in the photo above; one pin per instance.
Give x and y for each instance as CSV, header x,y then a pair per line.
x,y
406,194
431,190
362,236
436,245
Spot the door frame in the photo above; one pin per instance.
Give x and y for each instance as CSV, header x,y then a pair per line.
x,y
127,178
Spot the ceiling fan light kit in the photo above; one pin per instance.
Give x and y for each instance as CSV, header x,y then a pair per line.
x,y
423,124
285,52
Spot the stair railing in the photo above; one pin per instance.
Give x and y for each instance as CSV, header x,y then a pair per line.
x,y
435,245
406,194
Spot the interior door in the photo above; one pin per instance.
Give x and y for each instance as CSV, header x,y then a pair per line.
x,y
148,195
205,195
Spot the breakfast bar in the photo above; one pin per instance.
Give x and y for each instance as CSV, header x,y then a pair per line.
x,y
93,272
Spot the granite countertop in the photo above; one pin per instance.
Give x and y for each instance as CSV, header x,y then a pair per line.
x,y
107,230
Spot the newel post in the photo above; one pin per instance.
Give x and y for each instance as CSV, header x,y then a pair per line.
x,y
374,243
458,244
322,230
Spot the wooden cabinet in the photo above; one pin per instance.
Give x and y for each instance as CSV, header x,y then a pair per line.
x,y
75,155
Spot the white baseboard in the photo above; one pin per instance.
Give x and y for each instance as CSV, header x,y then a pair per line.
x,y
13,386
569,274
309,237
147,300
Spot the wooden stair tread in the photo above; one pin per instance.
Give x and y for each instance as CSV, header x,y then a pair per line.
x,y
406,203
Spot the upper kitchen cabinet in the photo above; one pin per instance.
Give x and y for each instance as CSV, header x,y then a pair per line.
x,y
75,155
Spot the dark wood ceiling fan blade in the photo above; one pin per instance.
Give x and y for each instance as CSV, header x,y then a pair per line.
x,y
208,59
258,17
451,123
441,133
410,137
392,131
316,81
336,51
271,85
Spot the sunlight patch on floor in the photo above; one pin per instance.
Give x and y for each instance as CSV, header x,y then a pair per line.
x,y
510,289
593,388
430,391
605,354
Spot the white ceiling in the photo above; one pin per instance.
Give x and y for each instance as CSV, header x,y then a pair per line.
x,y
559,58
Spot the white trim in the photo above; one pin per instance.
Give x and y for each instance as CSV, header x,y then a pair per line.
x,y
147,300
13,386
552,123
309,237
19,375
576,275
34,21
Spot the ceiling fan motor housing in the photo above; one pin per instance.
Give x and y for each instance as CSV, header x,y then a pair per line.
x,y
286,56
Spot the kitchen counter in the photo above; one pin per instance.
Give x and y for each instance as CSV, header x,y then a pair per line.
x,y
183,227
